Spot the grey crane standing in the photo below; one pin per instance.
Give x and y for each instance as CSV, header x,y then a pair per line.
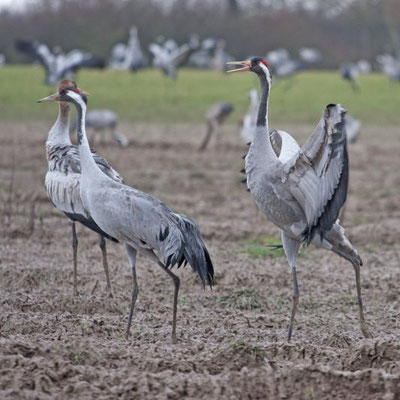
x,y
63,181
304,194
215,116
100,121
140,221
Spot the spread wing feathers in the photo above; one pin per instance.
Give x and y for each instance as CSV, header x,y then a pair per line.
x,y
181,56
318,175
78,59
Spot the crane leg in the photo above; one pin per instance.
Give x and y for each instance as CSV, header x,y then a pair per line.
x,y
103,248
363,325
176,281
135,289
207,138
356,265
218,137
295,301
75,257
292,248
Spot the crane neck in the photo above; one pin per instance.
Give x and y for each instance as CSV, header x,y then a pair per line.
x,y
59,132
88,165
261,149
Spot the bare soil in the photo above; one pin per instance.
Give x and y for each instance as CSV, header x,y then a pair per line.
x,y
232,340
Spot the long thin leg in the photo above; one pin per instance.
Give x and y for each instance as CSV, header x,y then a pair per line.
x,y
207,138
176,281
103,248
363,325
296,295
135,289
75,257
292,247
356,265
218,136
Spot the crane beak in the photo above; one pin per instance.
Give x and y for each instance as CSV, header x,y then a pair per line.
x,y
53,97
246,66
84,93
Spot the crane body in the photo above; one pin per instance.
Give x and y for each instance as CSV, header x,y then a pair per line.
x,y
63,180
143,223
301,189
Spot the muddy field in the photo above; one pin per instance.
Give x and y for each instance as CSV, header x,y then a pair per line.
x,y
232,340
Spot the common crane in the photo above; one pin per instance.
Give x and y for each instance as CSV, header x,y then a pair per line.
x,y
301,192
100,121
215,116
63,180
143,223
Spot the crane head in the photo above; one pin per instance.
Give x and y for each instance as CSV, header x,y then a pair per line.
x,y
250,65
64,87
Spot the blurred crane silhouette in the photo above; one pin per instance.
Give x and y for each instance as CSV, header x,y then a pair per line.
x,y
100,121
63,180
140,221
350,73
57,64
248,122
169,57
215,116
128,56
301,191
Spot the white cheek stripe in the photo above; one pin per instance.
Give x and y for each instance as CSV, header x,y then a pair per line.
x,y
266,71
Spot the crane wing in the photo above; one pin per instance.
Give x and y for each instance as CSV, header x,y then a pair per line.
x,y
36,50
284,145
317,176
76,59
181,56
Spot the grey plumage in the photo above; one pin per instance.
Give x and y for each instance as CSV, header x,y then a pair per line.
x,y
128,56
301,190
63,180
169,57
215,115
101,121
143,223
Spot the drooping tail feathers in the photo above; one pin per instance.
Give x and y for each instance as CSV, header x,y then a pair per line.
x,y
192,250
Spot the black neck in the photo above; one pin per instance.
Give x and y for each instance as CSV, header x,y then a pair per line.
x,y
262,109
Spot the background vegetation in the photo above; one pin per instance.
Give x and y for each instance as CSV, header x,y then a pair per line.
x,y
344,30
148,96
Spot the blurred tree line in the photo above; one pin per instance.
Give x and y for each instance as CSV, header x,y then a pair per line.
x,y
342,29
